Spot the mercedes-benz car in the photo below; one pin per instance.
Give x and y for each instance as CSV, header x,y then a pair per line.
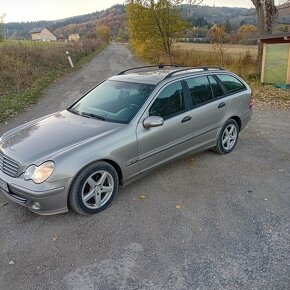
x,y
121,129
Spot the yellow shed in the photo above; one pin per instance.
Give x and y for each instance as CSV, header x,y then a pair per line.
x,y
276,59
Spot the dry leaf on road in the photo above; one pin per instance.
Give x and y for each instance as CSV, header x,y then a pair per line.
x,y
55,238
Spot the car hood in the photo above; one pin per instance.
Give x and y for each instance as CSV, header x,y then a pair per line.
x,y
51,135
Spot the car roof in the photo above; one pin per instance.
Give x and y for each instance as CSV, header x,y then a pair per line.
x,y
143,75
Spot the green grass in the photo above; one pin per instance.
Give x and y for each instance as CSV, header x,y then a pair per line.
x,y
14,103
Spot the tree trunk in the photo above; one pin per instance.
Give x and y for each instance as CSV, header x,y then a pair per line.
x,y
267,15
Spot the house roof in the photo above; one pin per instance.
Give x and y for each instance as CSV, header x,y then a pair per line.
x,y
36,30
39,29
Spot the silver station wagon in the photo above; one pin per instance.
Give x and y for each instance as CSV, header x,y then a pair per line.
x,y
119,130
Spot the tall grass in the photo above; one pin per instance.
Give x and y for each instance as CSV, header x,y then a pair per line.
x,y
27,68
243,64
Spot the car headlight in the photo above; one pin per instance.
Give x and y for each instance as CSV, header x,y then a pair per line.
x,y
40,173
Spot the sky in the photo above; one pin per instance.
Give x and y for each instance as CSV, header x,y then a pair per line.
x,y
33,10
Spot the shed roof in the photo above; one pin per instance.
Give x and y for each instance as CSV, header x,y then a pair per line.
x,y
275,38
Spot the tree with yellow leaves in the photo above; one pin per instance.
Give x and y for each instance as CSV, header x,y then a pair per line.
x,y
245,32
153,25
103,33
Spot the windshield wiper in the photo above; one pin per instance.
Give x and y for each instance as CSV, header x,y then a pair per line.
x,y
91,115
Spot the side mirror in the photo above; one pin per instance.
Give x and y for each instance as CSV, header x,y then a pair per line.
x,y
153,121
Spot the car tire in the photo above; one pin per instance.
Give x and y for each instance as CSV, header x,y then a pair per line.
x,y
94,188
228,137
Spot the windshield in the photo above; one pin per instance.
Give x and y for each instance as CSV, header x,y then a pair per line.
x,y
113,101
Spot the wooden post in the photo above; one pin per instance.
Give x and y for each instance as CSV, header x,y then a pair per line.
x,y
263,60
288,69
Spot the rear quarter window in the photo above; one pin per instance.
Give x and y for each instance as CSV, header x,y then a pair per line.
x,y
231,83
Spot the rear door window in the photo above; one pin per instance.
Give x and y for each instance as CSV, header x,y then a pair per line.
x,y
200,90
231,83
217,91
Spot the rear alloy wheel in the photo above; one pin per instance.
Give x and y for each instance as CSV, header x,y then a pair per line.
x,y
94,188
228,137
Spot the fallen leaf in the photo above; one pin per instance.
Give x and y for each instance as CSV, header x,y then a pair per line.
x,y
178,206
55,238
142,196
3,203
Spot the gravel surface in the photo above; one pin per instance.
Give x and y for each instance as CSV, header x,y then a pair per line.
x,y
203,222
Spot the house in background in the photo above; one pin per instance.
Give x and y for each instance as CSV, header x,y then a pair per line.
x,y
74,37
276,59
61,38
42,34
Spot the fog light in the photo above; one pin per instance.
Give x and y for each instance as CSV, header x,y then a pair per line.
x,y
36,205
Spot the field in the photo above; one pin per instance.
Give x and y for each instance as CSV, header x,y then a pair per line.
x,y
232,49
27,68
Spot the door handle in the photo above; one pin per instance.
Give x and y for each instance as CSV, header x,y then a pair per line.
x,y
186,119
221,105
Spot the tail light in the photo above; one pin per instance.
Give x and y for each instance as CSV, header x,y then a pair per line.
x,y
251,101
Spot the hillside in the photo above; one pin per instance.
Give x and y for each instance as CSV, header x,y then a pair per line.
x,y
284,14
115,18
83,24
206,15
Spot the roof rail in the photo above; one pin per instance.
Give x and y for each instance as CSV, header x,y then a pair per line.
x,y
205,68
159,66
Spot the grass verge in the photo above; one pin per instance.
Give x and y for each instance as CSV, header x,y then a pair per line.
x,y
29,68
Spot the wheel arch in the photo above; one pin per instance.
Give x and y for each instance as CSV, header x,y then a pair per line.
x,y
109,161
117,168
238,120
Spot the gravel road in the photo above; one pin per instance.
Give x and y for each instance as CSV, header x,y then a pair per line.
x,y
206,222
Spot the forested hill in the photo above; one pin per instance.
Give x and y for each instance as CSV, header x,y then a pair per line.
x,y
115,17
202,15
83,24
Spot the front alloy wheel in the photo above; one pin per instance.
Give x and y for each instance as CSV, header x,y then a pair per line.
x,y
97,189
94,188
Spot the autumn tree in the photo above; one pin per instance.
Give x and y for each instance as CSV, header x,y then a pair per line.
x,y
245,32
153,25
218,35
266,15
103,33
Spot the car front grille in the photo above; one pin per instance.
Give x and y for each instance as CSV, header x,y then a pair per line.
x,y
8,165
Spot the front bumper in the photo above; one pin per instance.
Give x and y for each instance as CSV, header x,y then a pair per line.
x,y
44,199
